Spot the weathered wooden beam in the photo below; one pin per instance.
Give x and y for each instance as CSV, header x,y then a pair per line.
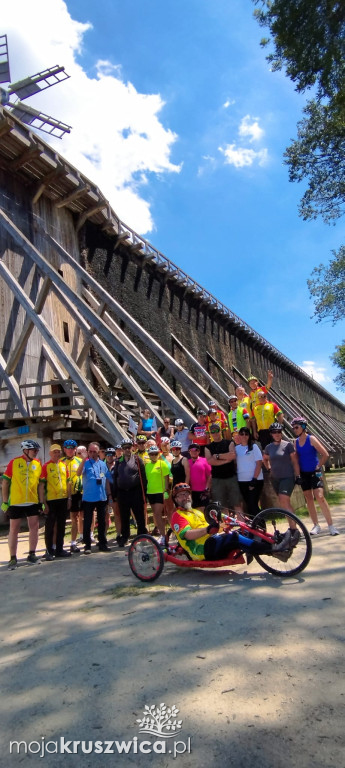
x,y
27,328
24,158
100,376
220,368
87,345
200,368
72,196
47,180
88,213
13,388
91,397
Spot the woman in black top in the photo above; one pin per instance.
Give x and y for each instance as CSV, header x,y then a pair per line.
x,y
179,466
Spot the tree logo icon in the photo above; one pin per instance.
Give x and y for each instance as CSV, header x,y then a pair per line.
x,y
160,721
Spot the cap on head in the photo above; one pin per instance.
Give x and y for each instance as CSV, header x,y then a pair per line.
x,y
194,446
54,447
214,428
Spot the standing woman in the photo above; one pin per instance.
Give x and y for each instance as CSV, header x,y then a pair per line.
x,y
167,430
157,473
179,466
165,451
146,424
311,457
249,470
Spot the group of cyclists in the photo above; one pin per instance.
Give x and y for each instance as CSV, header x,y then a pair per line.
x,y
174,470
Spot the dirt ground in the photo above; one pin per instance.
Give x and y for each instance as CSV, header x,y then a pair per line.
x,y
253,663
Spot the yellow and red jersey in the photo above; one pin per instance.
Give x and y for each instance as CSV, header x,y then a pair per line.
x,y
220,420
72,465
23,477
185,520
55,476
266,414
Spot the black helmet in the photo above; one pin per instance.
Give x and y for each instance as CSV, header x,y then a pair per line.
x,y
276,427
30,445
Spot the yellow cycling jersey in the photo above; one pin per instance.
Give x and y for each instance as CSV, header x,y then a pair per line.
x,y
55,476
23,477
72,466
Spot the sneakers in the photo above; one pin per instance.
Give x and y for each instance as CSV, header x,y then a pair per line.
x,y
295,537
104,549
74,549
80,539
32,558
93,540
315,530
161,541
333,531
12,564
87,551
285,543
63,553
49,556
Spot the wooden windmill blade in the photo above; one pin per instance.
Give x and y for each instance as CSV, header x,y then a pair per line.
x,y
39,82
5,76
40,120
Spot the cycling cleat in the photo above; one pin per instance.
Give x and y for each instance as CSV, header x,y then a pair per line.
x,y
285,543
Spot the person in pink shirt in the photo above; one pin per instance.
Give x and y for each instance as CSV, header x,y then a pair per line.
x,y
200,477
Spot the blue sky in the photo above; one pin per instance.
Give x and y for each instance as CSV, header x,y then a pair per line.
x,y
179,120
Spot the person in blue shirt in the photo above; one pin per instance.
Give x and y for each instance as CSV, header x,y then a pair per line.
x,y
94,472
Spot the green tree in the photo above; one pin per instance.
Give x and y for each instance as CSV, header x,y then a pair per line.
x,y
327,289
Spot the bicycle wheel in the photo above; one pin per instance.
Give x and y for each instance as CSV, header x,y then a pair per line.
x,y
291,559
145,558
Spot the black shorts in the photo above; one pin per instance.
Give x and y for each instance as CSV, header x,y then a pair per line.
x,y
155,498
283,485
200,498
18,512
76,502
311,481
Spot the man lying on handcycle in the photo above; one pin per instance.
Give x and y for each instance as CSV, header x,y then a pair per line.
x,y
202,541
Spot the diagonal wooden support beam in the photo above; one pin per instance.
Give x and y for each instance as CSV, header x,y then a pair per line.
x,y
90,395
13,388
76,305
27,328
172,365
85,349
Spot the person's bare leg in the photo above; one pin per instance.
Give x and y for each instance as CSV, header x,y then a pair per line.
x,y
323,504
308,495
285,503
13,537
117,518
74,525
33,523
157,511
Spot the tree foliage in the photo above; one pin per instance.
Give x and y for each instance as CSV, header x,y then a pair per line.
x,y
327,288
338,358
308,38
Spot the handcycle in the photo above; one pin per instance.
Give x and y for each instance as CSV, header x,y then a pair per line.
x,y
147,558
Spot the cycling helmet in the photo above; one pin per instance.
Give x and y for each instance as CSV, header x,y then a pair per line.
x,y
175,444
275,427
299,421
211,403
179,422
153,449
141,439
70,444
110,451
165,439
200,412
252,378
118,447
180,487
126,441
30,445
233,397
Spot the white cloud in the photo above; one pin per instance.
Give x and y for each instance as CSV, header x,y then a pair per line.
x,y
240,157
228,103
117,138
317,372
249,126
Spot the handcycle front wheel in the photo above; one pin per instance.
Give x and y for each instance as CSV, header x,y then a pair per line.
x,y
145,558
292,560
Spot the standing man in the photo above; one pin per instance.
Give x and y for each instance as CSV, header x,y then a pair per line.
x,y
198,431
312,455
93,471
265,414
55,494
238,416
20,499
129,486
221,456
72,462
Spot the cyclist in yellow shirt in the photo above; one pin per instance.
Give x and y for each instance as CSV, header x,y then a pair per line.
x,y
72,462
20,499
55,488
